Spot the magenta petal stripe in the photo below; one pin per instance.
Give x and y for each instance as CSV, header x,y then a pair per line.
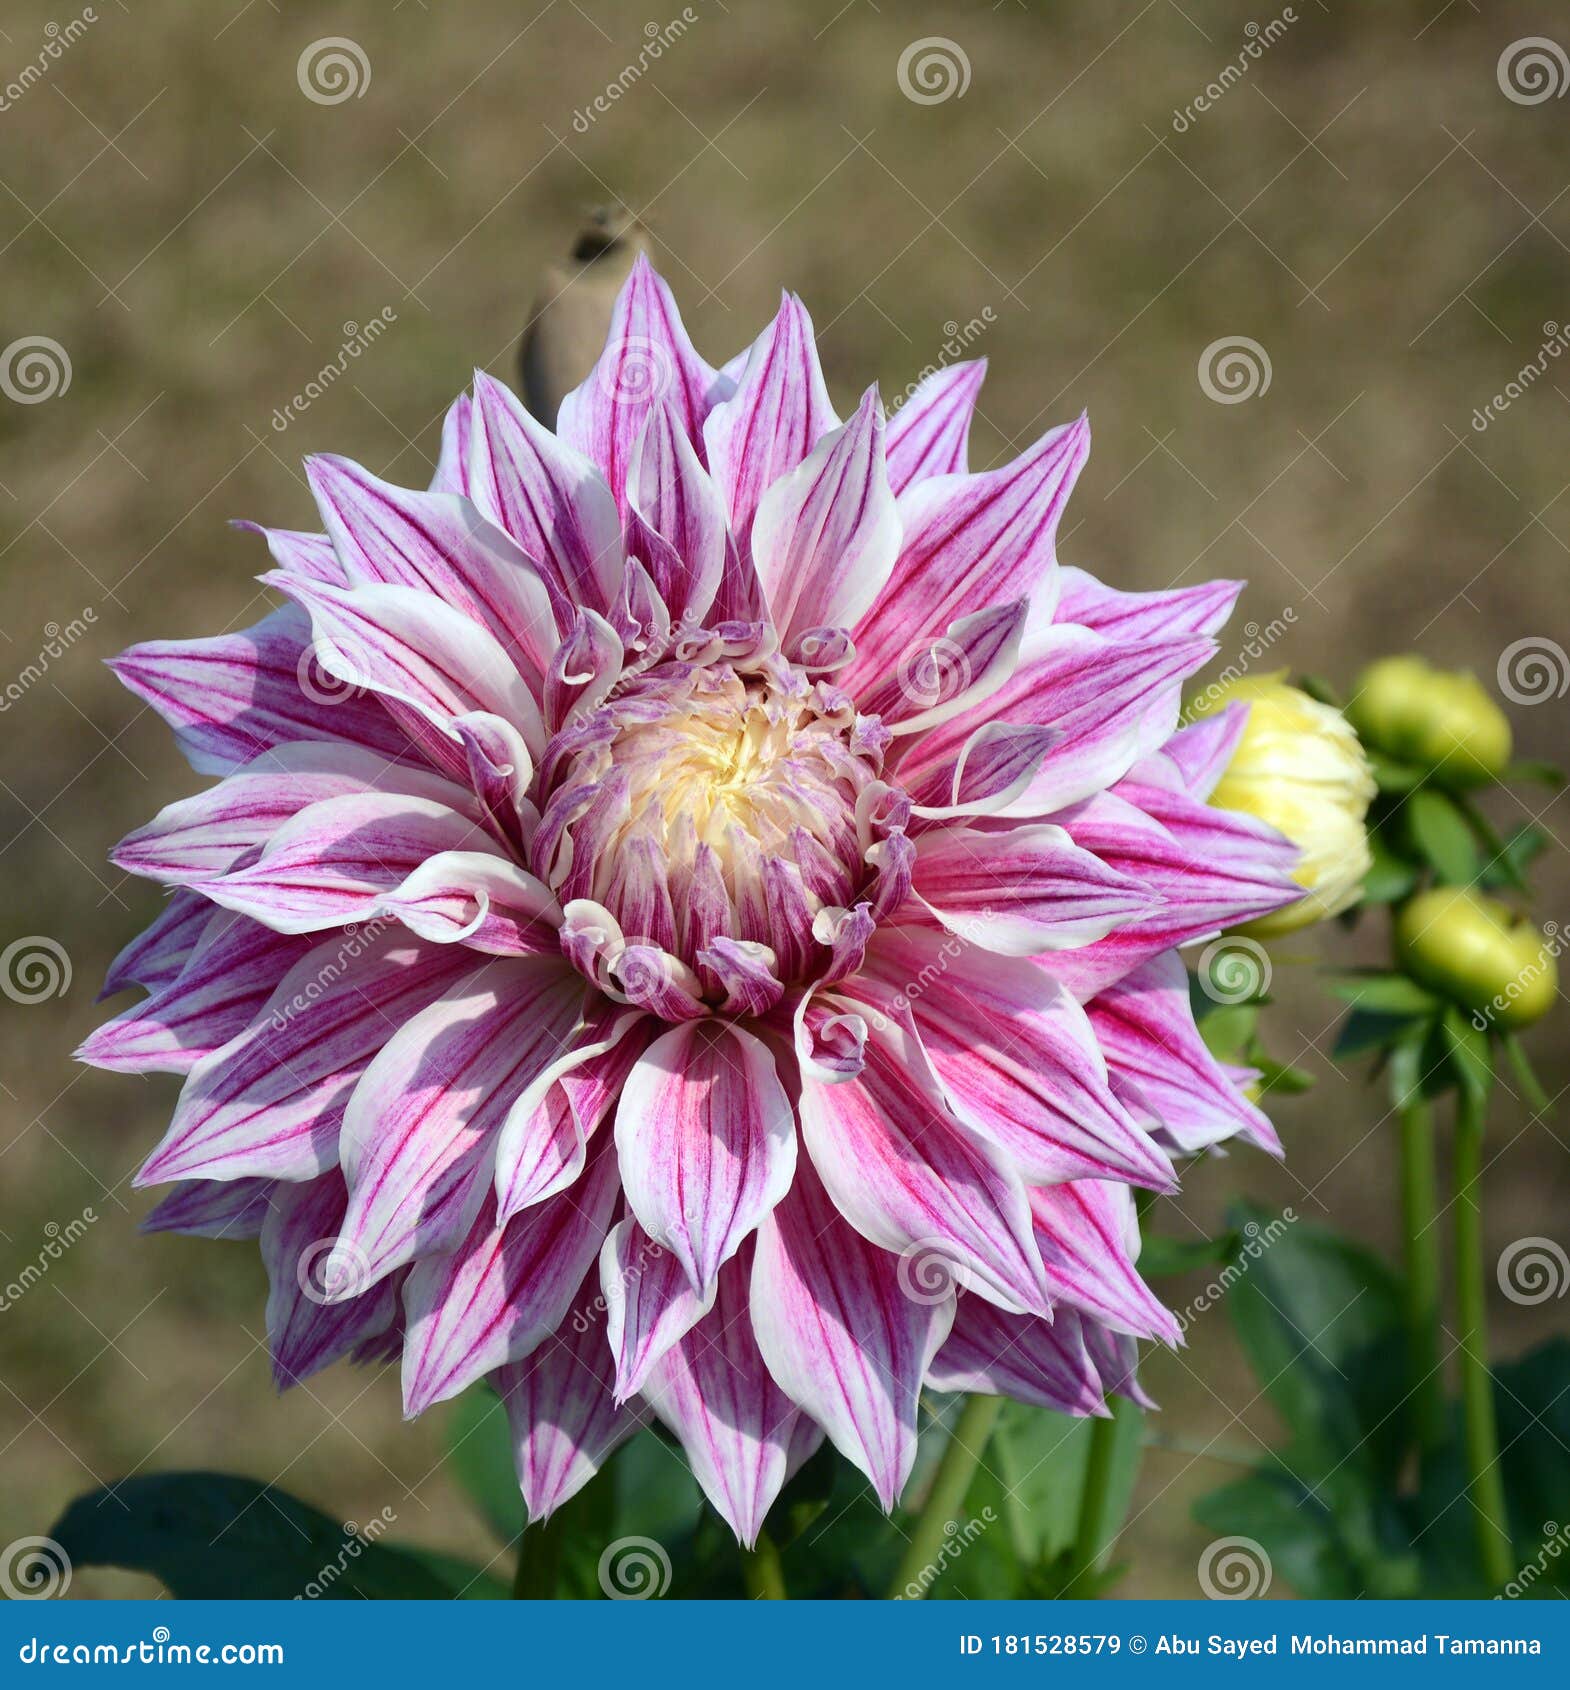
x,y
847,1330
685,920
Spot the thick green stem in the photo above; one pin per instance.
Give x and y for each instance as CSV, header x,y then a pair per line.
x,y
918,1565
762,1572
1420,1232
1485,1484
534,1577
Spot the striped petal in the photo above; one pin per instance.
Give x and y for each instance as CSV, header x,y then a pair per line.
x,y
650,1303
1045,1362
929,432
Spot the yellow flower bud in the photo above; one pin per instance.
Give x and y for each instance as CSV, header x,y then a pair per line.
x,y
1300,768
1479,953
1442,720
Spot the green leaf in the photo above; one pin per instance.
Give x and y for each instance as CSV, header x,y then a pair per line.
x,y
1278,1077
1521,846
479,1451
1317,687
1391,877
1320,1318
1526,1075
1441,833
1161,1257
219,1534
1534,769
1227,1029
1362,1032
1391,776
1471,1060
1380,992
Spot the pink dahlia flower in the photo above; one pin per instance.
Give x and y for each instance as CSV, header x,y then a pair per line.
x,y
686,920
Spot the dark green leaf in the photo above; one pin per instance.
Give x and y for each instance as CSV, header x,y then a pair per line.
x,y
1160,1257
1526,1075
218,1534
1443,836
1363,1032
1392,877
1380,992
1471,1060
1392,776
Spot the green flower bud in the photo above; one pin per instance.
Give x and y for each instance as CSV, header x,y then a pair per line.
x,y
1479,953
1300,768
1442,720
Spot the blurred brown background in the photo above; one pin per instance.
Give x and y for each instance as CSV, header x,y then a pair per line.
x,y
198,236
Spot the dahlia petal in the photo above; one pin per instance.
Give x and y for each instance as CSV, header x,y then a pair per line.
x,y
846,1332
213,1208
971,541
564,1419
942,677
1022,890
157,954
307,1330
270,1101
419,1131
196,838
1044,1362
650,1303
500,770
310,555
586,666
1115,1357
991,771
335,861
647,357
1016,1057
452,464
427,661
232,971
235,696
738,1427
777,414
1084,1228
928,434
549,497
1200,609
544,1141
480,900
1145,1024
826,534
906,1175
707,1143
439,544
504,1290
1111,703
1200,752
676,518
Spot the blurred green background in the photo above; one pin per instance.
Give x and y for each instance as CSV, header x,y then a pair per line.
x,y
1364,202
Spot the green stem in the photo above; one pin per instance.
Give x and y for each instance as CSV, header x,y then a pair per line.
x,y
762,1572
1095,1526
1485,1483
1420,1230
534,1577
947,1496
